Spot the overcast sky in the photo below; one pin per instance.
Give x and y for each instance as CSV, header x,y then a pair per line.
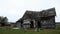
x,y
14,9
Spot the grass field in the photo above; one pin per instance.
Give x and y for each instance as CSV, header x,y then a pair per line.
x,y
21,31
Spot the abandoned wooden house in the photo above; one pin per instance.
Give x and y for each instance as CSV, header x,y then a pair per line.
x,y
44,19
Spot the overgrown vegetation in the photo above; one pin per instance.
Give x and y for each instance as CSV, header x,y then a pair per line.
x,y
4,30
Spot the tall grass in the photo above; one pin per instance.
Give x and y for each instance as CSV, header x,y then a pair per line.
x,y
4,30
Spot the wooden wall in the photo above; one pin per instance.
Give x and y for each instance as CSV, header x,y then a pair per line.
x,y
48,23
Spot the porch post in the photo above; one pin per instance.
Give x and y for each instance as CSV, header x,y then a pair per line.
x,y
34,23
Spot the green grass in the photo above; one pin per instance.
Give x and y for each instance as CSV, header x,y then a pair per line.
x,y
21,31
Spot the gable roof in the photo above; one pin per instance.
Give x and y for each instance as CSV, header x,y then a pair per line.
x,y
48,12
30,14
37,14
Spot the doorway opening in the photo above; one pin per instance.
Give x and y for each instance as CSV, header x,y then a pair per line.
x,y
32,24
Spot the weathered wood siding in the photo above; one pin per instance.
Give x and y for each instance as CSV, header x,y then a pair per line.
x,y
26,24
18,24
48,23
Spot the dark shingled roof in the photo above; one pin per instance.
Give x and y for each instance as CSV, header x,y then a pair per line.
x,y
48,12
37,14
30,14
